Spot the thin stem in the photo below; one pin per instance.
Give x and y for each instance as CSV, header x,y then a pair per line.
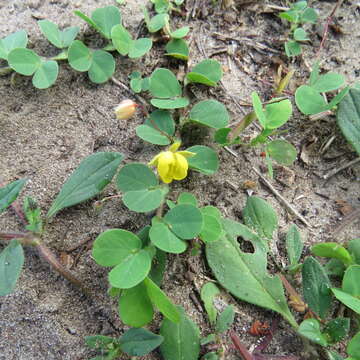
x,y
12,235
50,257
5,70
240,347
241,126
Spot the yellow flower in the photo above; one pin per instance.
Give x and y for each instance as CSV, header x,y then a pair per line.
x,y
125,110
172,165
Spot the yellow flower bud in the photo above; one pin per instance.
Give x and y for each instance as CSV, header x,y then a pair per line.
x,y
172,165
125,110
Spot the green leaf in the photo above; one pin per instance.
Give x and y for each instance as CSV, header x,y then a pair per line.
x,y
350,301
139,342
157,22
314,75
332,355
316,287
140,47
144,200
338,98
210,113
136,85
354,249
294,245
353,348
68,35
350,283
335,267
176,103
205,161
135,308
105,19
46,74
161,301
121,39
15,40
91,22
245,274
207,72
10,192
113,246
33,215
225,319
99,341
310,328
131,271
51,32
290,15
337,329
332,250
211,211
151,135
181,340
282,151
309,16
187,198
102,66
180,33
24,61
292,48
178,49
79,56
260,216
348,118
207,294
301,35
207,339
260,114
277,114
185,221
89,179
210,356
309,101
158,267
212,228
135,176
328,82
163,238
162,6
11,263
163,84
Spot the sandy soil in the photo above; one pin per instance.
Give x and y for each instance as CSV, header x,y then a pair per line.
x,y
46,133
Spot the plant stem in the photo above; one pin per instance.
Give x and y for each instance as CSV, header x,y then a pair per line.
x,y
12,235
50,257
241,126
240,347
5,70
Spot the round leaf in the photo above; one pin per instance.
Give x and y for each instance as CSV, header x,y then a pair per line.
x,y
310,328
135,308
309,101
300,35
68,35
207,72
185,221
79,56
211,230
282,151
164,239
328,82
350,283
114,246
15,40
176,103
163,120
151,135
51,32
180,33
309,16
277,114
140,47
102,66
292,48
210,113
158,22
121,39
46,74
135,176
131,271
205,161
163,84
143,200
353,348
24,61
106,18
178,49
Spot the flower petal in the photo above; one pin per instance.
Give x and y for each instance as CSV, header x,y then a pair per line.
x,y
154,160
181,167
165,165
186,154
174,146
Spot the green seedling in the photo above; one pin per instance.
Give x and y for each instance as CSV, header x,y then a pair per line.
x,y
134,342
87,181
311,100
99,63
137,83
275,115
298,15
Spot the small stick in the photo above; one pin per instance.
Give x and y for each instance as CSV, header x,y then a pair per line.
x,y
347,220
281,198
326,27
343,167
